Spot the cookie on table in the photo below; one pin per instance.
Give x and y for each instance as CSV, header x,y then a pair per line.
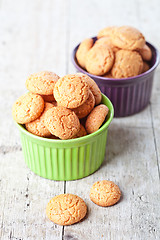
x,y
106,32
71,91
83,110
27,108
82,132
96,118
66,209
42,82
99,59
145,67
82,51
62,122
127,37
37,126
105,193
127,64
93,87
146,53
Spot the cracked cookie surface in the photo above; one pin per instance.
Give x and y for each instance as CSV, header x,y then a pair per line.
x,y
105,193
106,32
129,38
27,108
99,59
83,110
127,64
107,41
82,50
82,132
42,82
62,122
71,91
66,209
93,87
96,118
37,126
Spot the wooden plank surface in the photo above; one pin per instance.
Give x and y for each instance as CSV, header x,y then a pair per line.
x,y
40,35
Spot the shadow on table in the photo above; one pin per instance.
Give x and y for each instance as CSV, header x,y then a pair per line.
x,y
120,140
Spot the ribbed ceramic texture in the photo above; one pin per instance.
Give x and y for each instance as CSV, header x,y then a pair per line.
x,y
64,163
128,95
130,99
66,159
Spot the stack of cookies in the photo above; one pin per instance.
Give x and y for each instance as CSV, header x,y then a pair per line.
x,y
118,52
64,108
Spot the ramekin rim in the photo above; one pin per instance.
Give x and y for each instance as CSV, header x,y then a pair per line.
x,y
74,140
116,79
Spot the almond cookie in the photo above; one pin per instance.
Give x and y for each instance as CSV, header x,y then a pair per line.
x,y
99,59
129,38
127,64
106,32
146,53
62,122
145,67
27,108
37,126
71,91
105,193
93,87
108,41
42,82
66,209
83,110
82,51
96,118
82,132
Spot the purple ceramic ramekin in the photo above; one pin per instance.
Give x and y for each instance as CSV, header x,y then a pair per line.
x,y
128,95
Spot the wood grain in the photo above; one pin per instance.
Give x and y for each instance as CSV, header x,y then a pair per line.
x,y
40,35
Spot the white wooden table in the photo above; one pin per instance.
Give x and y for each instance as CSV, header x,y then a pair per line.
x,y
40,35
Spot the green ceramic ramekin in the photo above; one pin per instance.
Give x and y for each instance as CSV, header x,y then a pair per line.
x,y
66,159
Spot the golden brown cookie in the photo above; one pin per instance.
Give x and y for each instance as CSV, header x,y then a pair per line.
x,y
106,32
105,193
71,91
27,108
146,53
127,64
62,122
107,40
145,67
99,59
82,132
93,87
96,118
42,82
66,209
129,38
37,126
48,98
83,110
82,51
